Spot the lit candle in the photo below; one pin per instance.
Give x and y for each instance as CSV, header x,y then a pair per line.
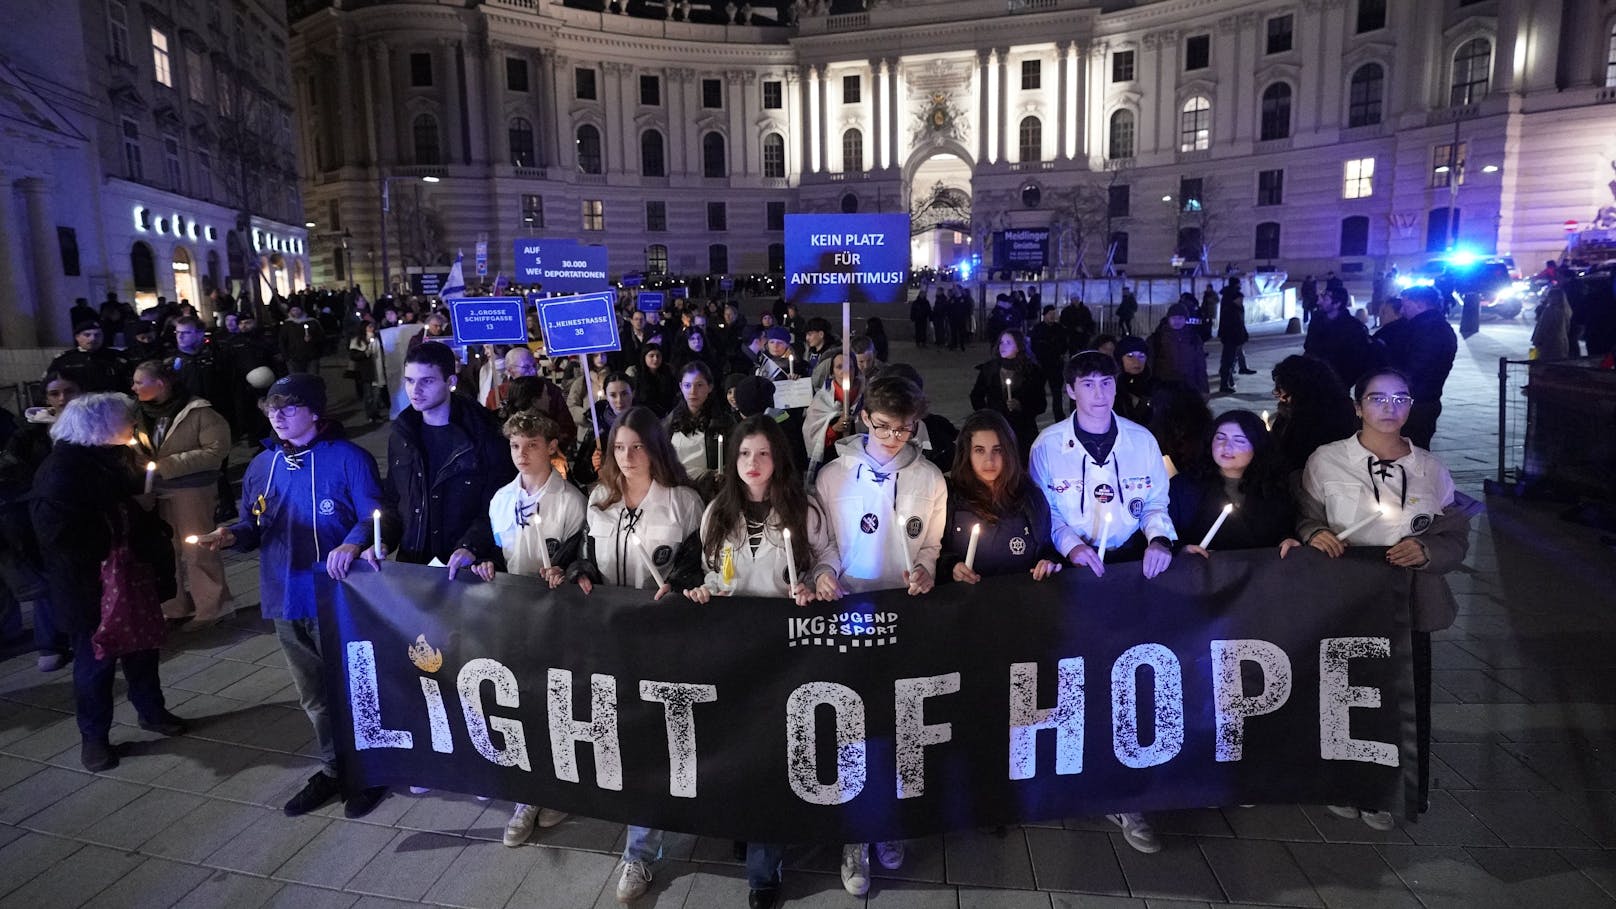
x,y
544,551
193,539
847,394
897,539
646,554
720,452
791,563
1213,530
376,532
1105,537
1267,424
1354,528
970,549
1172,469
1007,391
151,475
791,364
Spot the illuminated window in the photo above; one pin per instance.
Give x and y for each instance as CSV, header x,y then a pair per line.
x,y
1195,125
594,211
532,211
1358,179
656,259
162,66
1446,160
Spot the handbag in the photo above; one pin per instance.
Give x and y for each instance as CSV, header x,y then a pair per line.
x,y
131,606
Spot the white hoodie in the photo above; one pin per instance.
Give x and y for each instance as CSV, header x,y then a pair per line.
x,y
1130,487
665,517
886,519
762,572
523,523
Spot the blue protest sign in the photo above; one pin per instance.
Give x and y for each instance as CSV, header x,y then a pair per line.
x,y
633,278
678,293
562,266
489,320
847,258
649,301
428,283
726,284
580,324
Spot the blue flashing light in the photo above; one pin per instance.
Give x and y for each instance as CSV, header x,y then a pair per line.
x,y
964,269
1462,257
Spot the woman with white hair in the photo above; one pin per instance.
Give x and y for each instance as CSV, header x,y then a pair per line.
x,y
87,519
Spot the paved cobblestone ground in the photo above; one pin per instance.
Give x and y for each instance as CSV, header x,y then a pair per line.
x,y
1524,810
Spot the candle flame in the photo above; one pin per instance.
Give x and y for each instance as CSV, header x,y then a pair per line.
x,y
1228,508
376,514
151,465
193,539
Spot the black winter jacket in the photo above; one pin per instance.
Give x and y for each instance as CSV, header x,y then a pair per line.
x,y
429,517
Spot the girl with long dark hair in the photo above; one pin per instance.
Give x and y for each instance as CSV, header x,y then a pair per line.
x,y
988,488
1013,385
1244,469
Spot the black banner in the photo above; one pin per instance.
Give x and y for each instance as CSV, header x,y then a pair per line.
x,y
1237,680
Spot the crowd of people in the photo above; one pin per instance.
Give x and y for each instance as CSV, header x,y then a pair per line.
x,y
670,466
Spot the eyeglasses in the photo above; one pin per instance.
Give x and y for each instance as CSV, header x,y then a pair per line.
x,y
286,410
883,431
1380,399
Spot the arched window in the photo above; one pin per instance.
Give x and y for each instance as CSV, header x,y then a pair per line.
x,y
850,204
718,259
1355,236
1195,125
852,151
425,132
522,150
1472,72
712,156
1276,112
143,265
656,259
588,149
1363,102
1032,139
774,156
1121,144
1266,245
653,162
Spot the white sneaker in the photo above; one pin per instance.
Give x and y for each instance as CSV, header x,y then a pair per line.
x,y
890,855
520,825
635,881
1377,820
1137,831
856,868
1342,811
549,817
419,790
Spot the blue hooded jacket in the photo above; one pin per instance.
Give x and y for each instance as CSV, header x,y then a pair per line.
x,y
314,500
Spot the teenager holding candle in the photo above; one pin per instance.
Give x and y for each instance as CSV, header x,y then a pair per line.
x,y
1013,385
697,424
616,398
537,523
1246,471
640,513
1416,514
889,506
1096,465
989,489
831,413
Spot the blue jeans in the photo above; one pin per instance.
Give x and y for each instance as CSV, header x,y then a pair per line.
x,y
300,641
763,864
644,845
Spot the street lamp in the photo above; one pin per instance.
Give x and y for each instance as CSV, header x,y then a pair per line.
x,y
387,181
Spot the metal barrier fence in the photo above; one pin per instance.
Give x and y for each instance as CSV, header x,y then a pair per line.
x,y
1512,380
1556,429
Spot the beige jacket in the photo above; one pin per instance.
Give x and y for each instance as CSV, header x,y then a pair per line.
x,y
195,448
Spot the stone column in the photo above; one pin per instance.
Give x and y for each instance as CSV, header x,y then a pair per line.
x,y
1002,113
739,162
496,125
877,126
348,122
824,122
982,106
1080,99
791,97
1063,101
47,256
453,147
19,300
472,61
616,116
566,140
381,59
805,106
894,111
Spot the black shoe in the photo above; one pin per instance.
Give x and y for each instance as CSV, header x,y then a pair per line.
x,y
316,792
1248,372
363,802
1226,390
97,755
164,723
763,898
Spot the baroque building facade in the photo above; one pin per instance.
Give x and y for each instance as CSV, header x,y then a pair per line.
x,y
149,153
1313,135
